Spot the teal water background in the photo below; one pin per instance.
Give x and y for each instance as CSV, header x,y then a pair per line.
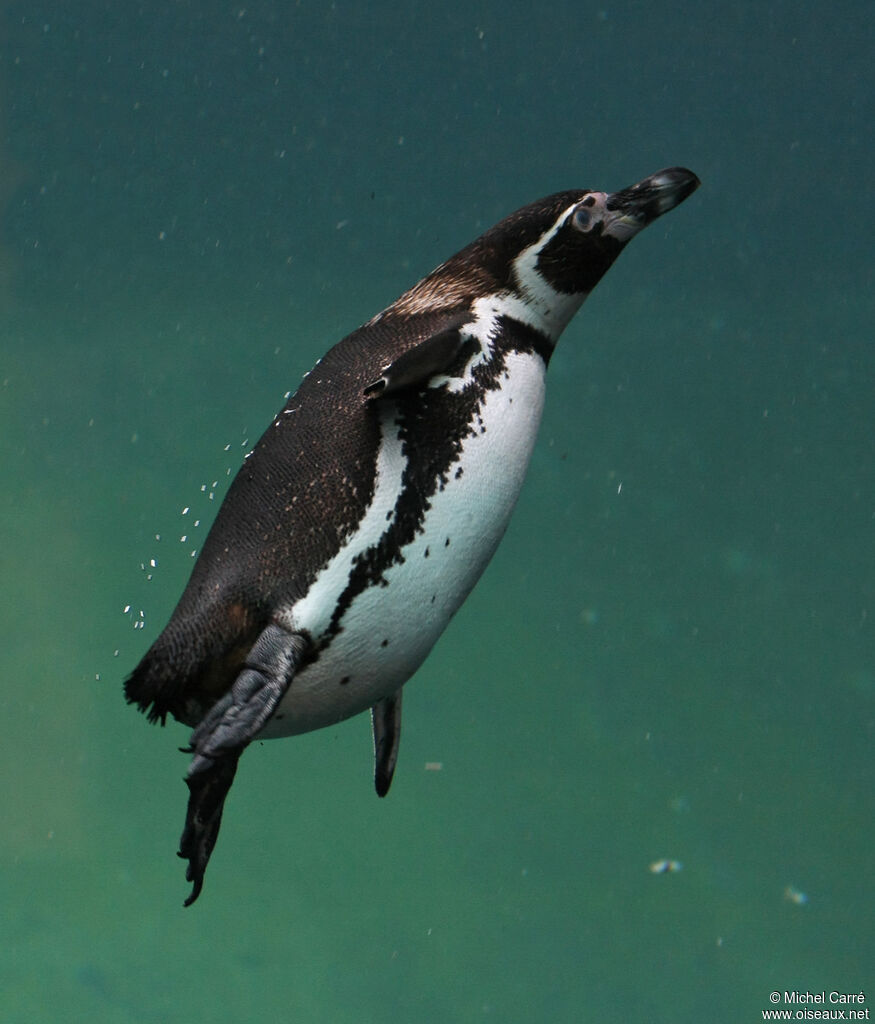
x,y
671,655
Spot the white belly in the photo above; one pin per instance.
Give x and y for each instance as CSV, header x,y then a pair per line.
x,y
388,630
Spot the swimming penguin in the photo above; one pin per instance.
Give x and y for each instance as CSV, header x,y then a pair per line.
x,y
363,517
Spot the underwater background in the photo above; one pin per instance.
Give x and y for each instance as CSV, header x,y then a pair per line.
x,y
671,656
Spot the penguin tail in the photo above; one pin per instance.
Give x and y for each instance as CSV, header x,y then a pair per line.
x,y
159,684
146,688
189,666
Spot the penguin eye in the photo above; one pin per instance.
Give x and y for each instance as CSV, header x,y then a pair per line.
x,y
582,218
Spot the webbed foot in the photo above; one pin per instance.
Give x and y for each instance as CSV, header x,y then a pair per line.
x,y
225,732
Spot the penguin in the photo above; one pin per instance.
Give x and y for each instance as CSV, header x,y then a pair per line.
x,y
367,511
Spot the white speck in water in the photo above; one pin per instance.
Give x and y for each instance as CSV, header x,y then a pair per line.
x,y
665,867
794,895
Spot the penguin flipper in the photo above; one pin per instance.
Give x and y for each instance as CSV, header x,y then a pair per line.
x,y
226,730
434,354
386,722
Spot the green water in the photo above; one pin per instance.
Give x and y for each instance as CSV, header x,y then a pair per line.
x,y
671,656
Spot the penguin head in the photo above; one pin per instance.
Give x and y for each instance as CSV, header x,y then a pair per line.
x,y
550,254
574,253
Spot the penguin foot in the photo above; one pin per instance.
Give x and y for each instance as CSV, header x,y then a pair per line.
x,y
225,732
207,791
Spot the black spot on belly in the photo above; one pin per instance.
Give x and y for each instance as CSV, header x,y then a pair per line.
x,y
344,681
447,542
459,473
426,553
385,643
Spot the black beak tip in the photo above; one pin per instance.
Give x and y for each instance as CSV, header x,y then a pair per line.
x,y
656,194
682,181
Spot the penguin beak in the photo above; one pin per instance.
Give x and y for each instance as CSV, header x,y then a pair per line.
x,y
639,205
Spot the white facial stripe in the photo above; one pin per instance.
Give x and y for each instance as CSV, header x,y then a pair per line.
x,y
540,305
